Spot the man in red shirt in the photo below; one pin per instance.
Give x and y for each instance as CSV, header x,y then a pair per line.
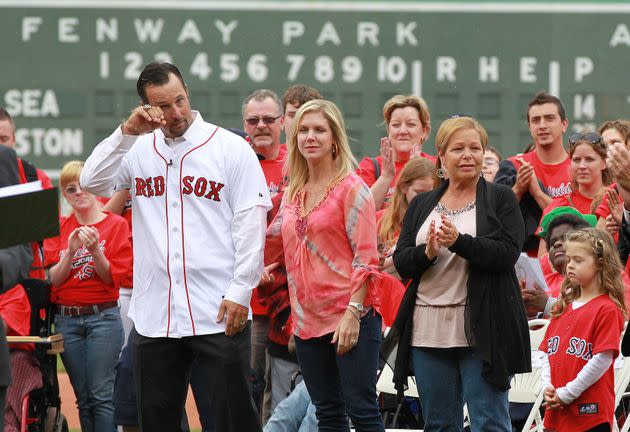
x,y
263,121
544,173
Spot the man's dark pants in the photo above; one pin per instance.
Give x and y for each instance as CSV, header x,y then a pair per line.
x,y
162,373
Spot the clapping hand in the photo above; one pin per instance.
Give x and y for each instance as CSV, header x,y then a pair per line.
x,y
387,157
447,233
433,246
89,238
618,161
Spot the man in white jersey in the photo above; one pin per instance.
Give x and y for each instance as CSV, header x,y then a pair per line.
x,y
200,201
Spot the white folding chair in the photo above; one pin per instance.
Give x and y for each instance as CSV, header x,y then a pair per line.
x,y
525,388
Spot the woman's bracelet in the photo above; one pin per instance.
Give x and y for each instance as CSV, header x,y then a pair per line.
x,y
351,309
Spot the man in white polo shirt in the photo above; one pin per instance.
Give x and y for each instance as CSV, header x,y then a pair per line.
x,y
200,201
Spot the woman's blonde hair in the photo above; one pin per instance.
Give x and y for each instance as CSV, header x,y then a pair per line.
x,y
296,167
604,251
70,172
403,101
452,125
391,222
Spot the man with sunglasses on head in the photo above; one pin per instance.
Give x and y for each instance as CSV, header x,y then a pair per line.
x,y
544,173
199,209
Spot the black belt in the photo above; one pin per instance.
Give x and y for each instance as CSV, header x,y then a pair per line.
x,y
75,311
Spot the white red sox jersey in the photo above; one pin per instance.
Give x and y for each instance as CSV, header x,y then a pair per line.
x,y
199,223
571,340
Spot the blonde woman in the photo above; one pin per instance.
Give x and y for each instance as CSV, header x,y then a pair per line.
x,y
459,244
89,258
408,126
324,232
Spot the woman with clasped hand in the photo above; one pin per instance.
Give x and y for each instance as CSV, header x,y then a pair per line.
x,y
89,258
325,232
461,321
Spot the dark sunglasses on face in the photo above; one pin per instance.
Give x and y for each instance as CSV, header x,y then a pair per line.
x,y
591,137
253,121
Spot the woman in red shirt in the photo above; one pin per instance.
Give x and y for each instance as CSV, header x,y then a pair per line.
x,y
589,172
89,258
408,126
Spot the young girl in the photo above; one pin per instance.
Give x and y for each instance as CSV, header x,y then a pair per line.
x,y
582,340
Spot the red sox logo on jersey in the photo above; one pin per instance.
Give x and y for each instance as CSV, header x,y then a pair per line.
x,y
577,347
200,186
580,348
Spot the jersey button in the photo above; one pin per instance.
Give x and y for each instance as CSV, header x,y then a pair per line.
x,y
174,204
175,229
177,281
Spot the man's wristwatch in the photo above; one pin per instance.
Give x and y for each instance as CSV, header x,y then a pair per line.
x,y
358,306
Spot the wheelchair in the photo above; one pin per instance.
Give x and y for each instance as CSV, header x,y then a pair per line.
x,y
41,409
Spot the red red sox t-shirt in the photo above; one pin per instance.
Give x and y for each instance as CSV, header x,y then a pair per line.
x,y
556,178
571,340
83,286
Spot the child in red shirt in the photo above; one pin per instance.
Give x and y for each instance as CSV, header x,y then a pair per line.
x,y
583,337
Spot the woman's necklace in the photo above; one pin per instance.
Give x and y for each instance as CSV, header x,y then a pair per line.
x,y
311,199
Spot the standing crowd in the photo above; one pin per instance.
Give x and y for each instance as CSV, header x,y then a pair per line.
x,y
265,274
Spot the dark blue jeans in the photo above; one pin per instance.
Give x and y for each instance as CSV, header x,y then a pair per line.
x,y
344,385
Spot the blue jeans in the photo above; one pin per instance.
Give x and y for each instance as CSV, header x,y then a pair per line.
x,y
347,383
296,413
448,377
92,345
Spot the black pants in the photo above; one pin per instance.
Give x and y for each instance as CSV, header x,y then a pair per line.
x,y
162,373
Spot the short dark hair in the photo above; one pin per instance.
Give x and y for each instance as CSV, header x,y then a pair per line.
x,y
564,219
156,74
4,115
299,94
542,98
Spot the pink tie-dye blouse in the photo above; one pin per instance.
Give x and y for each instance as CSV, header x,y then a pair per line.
x,y
329,254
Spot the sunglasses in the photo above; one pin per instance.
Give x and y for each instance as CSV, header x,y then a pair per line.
x,y
591,137
253,121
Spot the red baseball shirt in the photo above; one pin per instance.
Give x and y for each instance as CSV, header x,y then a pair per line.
x,y
83,286
571,340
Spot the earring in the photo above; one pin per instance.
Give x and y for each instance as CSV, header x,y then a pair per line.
x,y
334,151
440,173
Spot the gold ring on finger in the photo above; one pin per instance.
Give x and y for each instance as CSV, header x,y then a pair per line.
x,y
146,107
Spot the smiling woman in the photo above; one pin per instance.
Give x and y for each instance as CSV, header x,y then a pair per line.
x,y
408,126
89,258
